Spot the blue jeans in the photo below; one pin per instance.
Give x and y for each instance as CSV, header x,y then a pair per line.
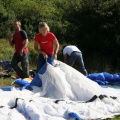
x,y
24,72
42,61
77,56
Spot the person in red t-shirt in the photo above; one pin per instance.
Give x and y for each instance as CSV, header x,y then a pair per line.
x,y
46,44
20,40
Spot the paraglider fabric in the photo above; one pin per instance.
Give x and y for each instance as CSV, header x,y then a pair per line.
x,y
105,78
22,82
5,64
64,94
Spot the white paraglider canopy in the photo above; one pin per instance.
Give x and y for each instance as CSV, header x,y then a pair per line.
x,y
64,90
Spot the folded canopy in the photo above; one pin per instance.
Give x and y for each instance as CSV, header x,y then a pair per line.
x,y
58,93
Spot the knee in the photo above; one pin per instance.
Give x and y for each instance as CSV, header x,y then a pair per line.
x,y
26,62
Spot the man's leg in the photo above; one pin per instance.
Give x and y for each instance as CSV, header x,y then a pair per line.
x,y
25,64
71,59
14,64
81,63
41,62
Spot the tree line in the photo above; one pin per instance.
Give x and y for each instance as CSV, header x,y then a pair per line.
x,y
92,25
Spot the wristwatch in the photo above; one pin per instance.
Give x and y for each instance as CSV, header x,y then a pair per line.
x,y
55,52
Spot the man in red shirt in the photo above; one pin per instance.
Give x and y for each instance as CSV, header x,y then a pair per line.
x,y
46,44
20,40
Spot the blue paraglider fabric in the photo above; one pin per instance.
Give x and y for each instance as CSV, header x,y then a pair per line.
x,y
21,82
105,78
37,80
74,116
5,64
9,88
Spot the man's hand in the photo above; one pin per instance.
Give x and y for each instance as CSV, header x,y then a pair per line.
x,y
55,56
45,55
21,52
10,37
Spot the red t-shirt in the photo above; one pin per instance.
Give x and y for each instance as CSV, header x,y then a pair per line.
x,y
46,42
19,40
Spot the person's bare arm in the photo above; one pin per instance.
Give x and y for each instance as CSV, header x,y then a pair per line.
x,y
36,47
10,40
65,58
56,45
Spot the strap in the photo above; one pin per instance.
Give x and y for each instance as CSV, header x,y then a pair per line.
x,y
2,106
16,103
92,99
58,101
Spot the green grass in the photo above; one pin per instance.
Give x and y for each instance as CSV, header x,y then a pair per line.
x,y
116,118
6,51
6,82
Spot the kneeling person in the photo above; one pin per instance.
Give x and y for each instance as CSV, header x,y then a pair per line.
x,y
74,54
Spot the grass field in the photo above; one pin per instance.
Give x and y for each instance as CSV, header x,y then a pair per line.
x,y
5,82
116,118
6,53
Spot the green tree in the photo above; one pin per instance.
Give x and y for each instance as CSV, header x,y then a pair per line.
x,y
6,18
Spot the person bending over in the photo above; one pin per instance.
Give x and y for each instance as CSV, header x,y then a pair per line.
x,y
71,54
20,40
46,44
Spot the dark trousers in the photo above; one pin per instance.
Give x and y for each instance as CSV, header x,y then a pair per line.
x,y
24,72
77,56
42,61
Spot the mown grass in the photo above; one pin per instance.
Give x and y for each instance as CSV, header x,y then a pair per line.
x,y
6,82
6,51
116,118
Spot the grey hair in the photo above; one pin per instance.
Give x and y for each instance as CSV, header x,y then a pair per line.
x,y
43,24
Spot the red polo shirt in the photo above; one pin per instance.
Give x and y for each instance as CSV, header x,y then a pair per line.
x,y
19,40
46,42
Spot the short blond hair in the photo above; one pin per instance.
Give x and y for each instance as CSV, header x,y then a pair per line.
x,y
43,24
18,22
